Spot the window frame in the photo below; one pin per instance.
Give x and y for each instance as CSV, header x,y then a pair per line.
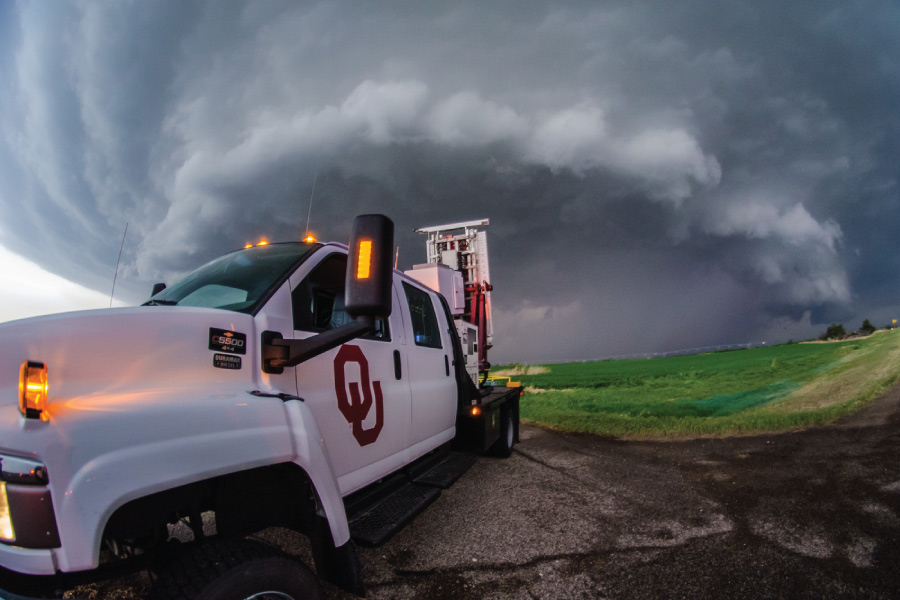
x,y
407,287
332,256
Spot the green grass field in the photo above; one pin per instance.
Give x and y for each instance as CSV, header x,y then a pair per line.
x,y
726,393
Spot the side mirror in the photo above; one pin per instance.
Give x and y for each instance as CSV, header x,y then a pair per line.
x,y
157,288
369,269
367,297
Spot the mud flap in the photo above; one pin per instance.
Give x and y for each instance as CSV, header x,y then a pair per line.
x,y
340,565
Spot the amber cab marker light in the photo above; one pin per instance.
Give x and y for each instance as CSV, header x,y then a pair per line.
x,y
364,264
310,239
248,246
263,243
475,411
33,389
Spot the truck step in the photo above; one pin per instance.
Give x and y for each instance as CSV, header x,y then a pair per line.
x,y
375,525
444,470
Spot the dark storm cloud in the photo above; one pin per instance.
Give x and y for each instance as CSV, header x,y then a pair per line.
x,y
657,176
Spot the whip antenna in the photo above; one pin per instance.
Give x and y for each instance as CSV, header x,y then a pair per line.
x,y
112,293
313,192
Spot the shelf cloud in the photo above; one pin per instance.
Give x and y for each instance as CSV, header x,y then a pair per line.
x,y
657,176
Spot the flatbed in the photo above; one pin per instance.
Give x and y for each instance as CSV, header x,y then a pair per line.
x,y
491,422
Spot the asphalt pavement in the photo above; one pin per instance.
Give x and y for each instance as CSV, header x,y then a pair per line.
x,y
810,514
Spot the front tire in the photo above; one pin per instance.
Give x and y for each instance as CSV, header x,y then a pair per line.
x,y
236,570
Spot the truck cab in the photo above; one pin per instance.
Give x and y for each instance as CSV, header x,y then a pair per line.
x,y
264,389
395,395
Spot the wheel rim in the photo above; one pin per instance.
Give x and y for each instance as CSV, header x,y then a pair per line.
x,y
270,596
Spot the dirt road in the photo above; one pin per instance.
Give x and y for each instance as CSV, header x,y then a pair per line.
x,y
812,514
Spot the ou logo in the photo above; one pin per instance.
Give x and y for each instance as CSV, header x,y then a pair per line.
x,y
357,407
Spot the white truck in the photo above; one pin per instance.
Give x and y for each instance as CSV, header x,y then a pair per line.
x,y
301,385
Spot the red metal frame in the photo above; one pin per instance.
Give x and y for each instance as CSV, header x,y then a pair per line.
x,y
479,318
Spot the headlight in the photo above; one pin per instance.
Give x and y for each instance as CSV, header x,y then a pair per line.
x,y
27,518
33,389
7,533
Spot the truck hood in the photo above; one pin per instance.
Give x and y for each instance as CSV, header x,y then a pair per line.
x,y
136,405
91,354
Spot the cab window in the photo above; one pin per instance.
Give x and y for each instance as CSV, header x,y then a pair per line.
x,y
424,320
318,302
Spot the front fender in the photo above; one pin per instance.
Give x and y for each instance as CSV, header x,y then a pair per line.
x,y
312,456
174,440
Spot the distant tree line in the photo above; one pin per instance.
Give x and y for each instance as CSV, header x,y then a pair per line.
x,y
836,331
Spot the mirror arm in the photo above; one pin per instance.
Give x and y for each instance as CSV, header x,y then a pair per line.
x,y
279,353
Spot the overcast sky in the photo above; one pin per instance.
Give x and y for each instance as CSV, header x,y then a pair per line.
x,y
658,175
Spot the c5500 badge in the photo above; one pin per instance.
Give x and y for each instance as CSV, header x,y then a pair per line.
x,y
227,341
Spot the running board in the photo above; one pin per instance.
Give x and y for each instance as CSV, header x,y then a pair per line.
x,y
391,513
378,512
443,470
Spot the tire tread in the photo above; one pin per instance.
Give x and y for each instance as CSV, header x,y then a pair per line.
x,y
192,571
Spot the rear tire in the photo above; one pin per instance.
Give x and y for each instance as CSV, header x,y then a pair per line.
x,y
503,446
235,570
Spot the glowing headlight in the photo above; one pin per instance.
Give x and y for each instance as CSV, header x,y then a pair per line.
x,y
6,528
33,389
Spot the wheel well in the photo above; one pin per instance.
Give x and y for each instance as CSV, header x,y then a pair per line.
x,y
242,502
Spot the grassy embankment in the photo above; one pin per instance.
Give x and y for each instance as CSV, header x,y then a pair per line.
x,y
740,392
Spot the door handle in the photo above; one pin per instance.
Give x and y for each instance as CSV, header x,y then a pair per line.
x,y
397,372
447,365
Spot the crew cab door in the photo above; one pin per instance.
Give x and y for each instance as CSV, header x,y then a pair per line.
x,y
357,392
431,373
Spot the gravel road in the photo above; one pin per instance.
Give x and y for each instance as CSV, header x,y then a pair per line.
x,y
811,514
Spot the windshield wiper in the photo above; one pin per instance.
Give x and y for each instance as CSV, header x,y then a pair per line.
x,y
160,303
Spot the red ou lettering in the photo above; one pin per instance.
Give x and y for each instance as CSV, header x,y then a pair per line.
x,y
356,408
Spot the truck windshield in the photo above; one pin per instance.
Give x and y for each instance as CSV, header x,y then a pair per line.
x,y
241,281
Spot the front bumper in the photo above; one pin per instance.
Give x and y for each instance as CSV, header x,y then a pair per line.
x,y
26,560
